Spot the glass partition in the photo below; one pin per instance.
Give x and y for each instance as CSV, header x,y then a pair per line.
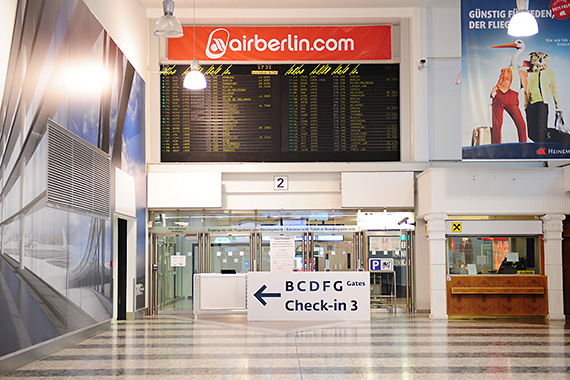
x,y
230,254
493,255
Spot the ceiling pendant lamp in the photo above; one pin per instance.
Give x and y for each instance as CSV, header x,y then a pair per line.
x,y
523,23
168,26
194,80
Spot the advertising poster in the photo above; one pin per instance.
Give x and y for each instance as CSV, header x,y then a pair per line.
x,y
515,90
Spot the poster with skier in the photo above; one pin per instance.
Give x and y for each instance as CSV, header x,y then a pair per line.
x,y
515,90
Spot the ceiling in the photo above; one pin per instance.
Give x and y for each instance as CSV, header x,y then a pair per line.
x,y
269,4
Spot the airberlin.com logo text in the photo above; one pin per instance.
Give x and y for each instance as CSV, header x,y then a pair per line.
x,y
220,40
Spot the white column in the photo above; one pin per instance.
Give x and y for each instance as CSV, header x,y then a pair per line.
x,y
437,264
552,229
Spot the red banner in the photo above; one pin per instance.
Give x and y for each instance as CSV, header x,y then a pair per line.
x,y
326,43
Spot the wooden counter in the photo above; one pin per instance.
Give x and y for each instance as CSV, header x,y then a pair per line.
x,y
497,295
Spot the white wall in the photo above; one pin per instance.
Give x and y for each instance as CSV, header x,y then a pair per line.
x,y
486,191
415,141
124,20
7,15
126,23
421,267
444,99
311,185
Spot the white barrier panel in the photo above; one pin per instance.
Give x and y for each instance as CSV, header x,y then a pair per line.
x,y
308,296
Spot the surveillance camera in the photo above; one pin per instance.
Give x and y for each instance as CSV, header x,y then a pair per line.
x,y
403,221
422,65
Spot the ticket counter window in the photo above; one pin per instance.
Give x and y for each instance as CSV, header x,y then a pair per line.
x,y
493,255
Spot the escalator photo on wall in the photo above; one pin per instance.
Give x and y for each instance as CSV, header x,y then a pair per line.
x,y
61,282
61,146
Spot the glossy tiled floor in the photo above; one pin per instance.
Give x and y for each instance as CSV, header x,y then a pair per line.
x,y
389,347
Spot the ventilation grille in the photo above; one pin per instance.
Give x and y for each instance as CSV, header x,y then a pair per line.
x,y
78,174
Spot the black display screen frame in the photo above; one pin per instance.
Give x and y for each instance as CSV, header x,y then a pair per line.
x,y
282,134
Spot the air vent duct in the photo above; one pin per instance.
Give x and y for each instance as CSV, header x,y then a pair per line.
x,y
78,173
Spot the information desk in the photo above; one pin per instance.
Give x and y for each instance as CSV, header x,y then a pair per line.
x,y
497,295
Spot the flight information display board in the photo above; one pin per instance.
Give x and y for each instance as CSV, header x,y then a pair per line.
x,y
282,113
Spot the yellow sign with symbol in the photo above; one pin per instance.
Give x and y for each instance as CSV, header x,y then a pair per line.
x,y
456,227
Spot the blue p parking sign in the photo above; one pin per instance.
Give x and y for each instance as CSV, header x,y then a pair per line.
x,y
381,265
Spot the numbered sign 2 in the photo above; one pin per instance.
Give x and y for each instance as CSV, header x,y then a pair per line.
x,y
280,182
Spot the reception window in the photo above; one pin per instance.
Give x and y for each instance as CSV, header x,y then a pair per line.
x,y
493,255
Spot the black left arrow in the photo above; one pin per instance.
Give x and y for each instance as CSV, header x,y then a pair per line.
x,y
259,295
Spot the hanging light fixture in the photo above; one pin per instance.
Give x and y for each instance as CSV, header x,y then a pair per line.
x,y
168,26
194,80
523,23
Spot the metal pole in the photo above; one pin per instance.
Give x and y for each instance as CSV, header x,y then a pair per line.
x,y
311,250
259,253
207,252
134,296
252,259
410,260
154,271
304,251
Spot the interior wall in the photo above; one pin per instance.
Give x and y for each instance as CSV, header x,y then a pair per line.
x,y
465,191
126,23
421,268
49,39
7,14
256,191
444,67
415,148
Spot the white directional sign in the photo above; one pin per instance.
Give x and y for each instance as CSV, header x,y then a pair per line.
x,y
308,296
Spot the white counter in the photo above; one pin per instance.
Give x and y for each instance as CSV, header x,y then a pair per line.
x,y
216,293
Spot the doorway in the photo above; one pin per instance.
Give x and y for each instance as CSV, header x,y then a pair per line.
x,y
317,252
394,285
121,269
175,264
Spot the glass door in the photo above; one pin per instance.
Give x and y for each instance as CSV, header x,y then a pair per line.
x,y
299,241
230,254
176,262
397,246
317,252
333,252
